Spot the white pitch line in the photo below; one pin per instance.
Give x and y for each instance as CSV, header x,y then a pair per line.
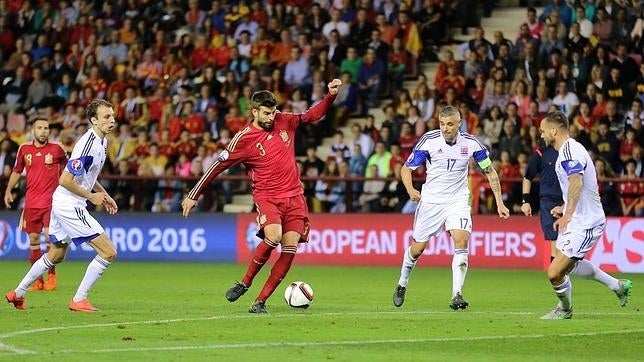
x,y
15,350
239,316
349,342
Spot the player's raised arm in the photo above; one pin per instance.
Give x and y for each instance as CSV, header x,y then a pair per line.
x,y
318,110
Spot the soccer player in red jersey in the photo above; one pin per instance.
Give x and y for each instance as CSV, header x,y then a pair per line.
x,y
266,148
44,161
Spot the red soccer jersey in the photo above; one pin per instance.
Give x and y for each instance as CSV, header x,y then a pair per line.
x,y
269,156
44,165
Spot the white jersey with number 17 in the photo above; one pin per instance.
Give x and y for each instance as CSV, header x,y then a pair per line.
x,y
447,165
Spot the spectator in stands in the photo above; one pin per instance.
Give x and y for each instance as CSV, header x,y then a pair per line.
x,y
297,73
358,137
155,163
360,29
370,129
14,91
565,100
627,146
369,200
497,97
339,149
335,23
381,158
123,190
328,193
510,140
169,192
585,121
121,146
603,27
607,145
346,102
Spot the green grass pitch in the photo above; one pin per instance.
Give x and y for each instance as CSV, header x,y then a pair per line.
x,y
172,311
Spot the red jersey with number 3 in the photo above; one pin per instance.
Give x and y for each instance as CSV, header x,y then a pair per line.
x,y
44,165
269,156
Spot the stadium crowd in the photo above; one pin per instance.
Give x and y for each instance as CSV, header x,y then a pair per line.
x,y
180,75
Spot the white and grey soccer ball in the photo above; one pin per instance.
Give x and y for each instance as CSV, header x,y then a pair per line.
x,y
298,295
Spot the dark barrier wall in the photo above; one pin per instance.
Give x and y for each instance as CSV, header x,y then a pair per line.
x,y
144,237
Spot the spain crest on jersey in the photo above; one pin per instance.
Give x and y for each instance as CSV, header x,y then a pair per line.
x,y
284,136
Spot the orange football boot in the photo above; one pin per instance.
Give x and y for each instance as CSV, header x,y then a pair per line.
x,y
39,284
11,297
82,306
50,284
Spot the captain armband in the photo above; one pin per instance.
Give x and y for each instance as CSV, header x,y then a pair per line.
x,y
485,163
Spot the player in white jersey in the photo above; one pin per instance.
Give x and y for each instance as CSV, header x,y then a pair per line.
x,y
581,220
70,221
444,199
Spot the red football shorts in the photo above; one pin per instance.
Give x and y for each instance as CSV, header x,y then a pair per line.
x,y
34,220
290,212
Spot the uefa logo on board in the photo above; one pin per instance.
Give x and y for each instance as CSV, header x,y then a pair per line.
x,y
6,238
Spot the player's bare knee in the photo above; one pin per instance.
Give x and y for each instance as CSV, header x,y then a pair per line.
x,y
34,240
109,255
555,276
274,236
417,248
55,257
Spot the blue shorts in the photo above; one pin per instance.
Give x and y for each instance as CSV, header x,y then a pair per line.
x,y
547,220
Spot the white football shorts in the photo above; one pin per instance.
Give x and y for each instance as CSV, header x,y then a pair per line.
x,y
72,223
429,219
575,243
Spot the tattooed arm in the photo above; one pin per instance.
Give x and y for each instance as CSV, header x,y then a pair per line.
x,y
574,190
495,185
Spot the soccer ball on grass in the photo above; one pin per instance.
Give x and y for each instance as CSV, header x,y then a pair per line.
x,y
298,295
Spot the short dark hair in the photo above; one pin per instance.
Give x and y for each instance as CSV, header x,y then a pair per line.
x,y
263,98
557,118
92,107
39,118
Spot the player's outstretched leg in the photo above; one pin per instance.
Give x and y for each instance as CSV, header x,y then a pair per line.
x,y
624,291
51,282
563,310
278,272
95,269
17,296
260,257
34,254
408,263
459,271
